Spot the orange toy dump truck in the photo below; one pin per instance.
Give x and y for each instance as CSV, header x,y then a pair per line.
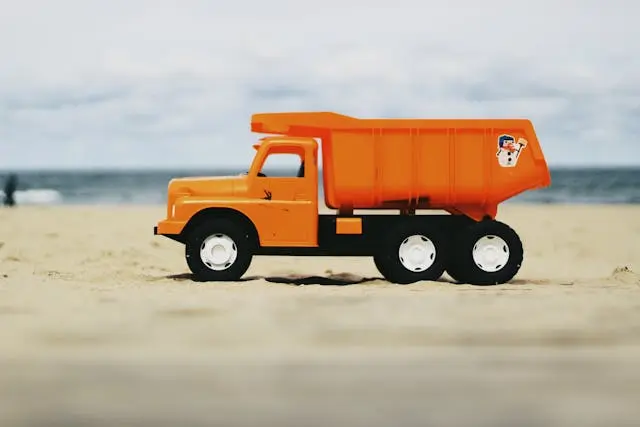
x,y
465,167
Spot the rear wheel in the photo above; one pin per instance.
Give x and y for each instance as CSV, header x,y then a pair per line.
x,y
411,254
486,253
219,250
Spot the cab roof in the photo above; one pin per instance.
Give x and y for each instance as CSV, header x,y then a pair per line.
x,y
284,141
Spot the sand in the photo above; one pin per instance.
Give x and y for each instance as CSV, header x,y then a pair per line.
x,y
100,324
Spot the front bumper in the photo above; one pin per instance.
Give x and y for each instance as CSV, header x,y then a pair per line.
x,y
168,227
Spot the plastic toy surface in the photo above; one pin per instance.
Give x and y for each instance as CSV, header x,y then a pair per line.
x,y
465,167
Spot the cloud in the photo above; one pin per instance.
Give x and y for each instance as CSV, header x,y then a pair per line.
x,y
164,83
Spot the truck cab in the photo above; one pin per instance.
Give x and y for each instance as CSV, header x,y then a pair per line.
x,y
283,207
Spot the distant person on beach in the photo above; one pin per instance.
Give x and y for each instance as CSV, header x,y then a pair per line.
x,y
9,189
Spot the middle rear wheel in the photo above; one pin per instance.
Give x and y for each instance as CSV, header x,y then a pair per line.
x,y
412,253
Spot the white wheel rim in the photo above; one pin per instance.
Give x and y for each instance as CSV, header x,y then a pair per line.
x,y
218,252
491,253
417,253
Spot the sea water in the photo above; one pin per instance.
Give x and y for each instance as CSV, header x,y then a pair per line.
x,y
584,185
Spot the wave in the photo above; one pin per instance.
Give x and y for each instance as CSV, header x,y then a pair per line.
x,y
42,196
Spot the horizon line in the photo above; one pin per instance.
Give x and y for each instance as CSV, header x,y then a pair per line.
x,y
112,169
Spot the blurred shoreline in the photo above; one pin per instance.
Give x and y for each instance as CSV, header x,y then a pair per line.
x,y
570,185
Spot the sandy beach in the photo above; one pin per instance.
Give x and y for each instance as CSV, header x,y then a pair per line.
x,y
100,324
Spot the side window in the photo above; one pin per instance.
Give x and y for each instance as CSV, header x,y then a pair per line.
x,y
283,165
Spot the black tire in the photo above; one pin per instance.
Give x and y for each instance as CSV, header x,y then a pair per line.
x,y
456,275
390,264
454,267
240,240
463,267
377,260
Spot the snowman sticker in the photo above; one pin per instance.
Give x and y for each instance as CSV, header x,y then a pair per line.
x,y
509,150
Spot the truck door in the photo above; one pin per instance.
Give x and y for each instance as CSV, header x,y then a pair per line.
x,y
287,182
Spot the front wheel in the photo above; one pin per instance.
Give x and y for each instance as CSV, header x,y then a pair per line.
x,y
486,253
218,251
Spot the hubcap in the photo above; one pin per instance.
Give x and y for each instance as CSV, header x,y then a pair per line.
x,y
218,252
417,253
491,253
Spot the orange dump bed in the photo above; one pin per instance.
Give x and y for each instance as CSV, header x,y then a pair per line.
x,y
461,165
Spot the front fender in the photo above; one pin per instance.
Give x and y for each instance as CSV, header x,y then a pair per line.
x,y
187,207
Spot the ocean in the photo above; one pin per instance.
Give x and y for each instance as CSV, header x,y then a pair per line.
x,y
586,185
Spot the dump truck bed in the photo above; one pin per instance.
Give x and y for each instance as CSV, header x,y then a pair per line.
x,y
460,165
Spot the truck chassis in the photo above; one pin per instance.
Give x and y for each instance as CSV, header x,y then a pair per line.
x,y
405,248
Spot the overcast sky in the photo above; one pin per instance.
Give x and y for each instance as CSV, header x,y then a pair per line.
x,y
158,83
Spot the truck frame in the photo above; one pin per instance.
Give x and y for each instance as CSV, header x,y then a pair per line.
x,y
464,167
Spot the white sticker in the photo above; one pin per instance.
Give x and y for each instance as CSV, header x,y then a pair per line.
x,y
509,150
